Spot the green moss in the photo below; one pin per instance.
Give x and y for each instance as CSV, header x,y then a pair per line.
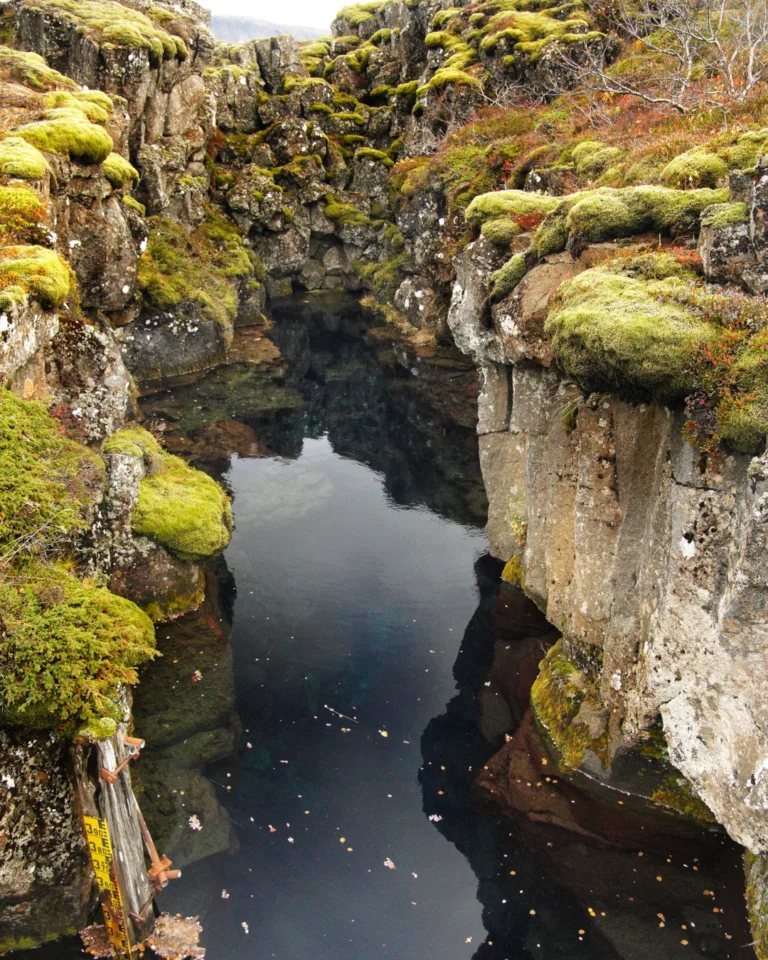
x,y
344,214
381,36
68,133
507,203
22,216
357,13
36,271
597,215
560,689
111,23
302,83
723,215
696,168
602,216
95,105
21,160
31,70
194,268
677,794
320,108
68,644
407,90
48,483
504,281
501,232
134,204
119,171
366,153
591,158
756,892
530,32
315,48
356,118
178,507
617,334
96,730
513,572
449,77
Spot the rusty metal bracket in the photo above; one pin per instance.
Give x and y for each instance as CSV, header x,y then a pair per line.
x,y
134,746
159,873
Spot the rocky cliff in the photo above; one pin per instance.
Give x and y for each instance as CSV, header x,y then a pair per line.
x,y
602,266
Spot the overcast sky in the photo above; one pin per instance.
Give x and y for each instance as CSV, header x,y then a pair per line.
x,y
303,13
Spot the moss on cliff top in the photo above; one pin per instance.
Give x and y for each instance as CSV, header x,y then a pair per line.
x,y
94,104
194,268
69,133
119,171
36,271
20,160
31,70
178,507
516,204
358,13
618,334
47,481
67,645
596,215
114,24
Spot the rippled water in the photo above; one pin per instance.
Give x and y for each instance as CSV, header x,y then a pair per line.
x,y
344,710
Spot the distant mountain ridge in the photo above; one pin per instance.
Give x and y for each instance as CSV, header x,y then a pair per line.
x,y
240,29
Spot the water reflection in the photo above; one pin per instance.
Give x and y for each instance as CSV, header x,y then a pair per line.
x,y
561,874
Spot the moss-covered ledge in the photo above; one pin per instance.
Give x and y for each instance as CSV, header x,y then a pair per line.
x,y
178,507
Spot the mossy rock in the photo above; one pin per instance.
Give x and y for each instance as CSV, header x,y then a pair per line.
x,y
21,160
508,203
31,70
69,133
133,204
695,168
597,215
366,153
358,13
344,214
501,231
744,419
627,336
756,892
48,483
22,216
178,507
119,171
178,267
67,646
562,686
112,23
724,215
592,158
504,280
34,271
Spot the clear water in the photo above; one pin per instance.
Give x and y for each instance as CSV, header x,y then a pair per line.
x,y
365,618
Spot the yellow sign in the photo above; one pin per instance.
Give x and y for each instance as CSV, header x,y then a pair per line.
x,y
97,834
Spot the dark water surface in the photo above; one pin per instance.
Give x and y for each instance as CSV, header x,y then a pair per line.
x,y
344,707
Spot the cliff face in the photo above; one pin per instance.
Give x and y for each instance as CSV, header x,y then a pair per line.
x,y
634,551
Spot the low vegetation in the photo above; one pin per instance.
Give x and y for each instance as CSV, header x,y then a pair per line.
x,y
178,507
